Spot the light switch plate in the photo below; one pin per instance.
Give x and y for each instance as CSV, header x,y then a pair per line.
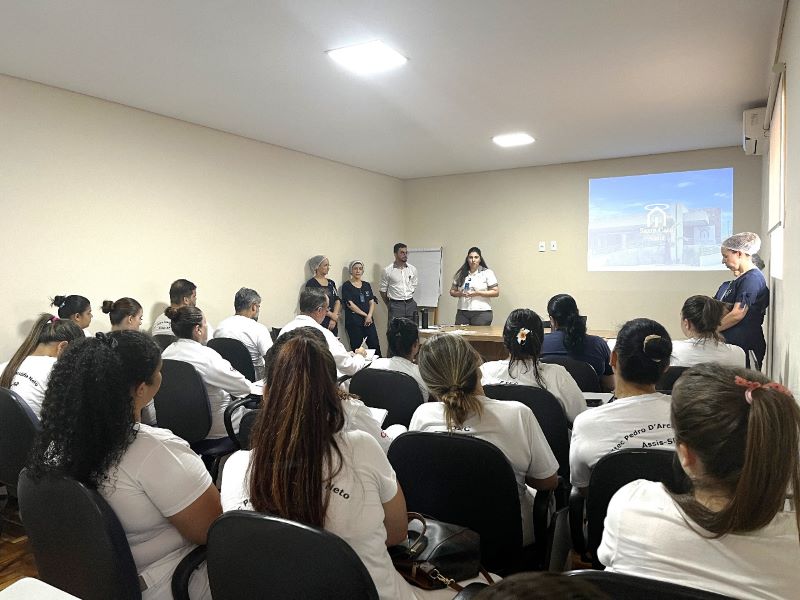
x,y
542,246
553,245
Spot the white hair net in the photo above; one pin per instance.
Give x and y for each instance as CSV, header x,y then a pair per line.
x,y
747,242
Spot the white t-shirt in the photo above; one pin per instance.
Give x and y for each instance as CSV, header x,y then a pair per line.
x,y
633,422
358,417
162,325
511,427
252,334
647,535
403,365
221,379
482,280
693,351
347,363
556,378
365,482
158,477
30,381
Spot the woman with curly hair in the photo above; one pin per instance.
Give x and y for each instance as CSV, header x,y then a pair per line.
x,y
91,431
28,371
522,336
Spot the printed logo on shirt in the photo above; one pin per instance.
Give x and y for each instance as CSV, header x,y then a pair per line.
x,y
25,376
338,491
641,430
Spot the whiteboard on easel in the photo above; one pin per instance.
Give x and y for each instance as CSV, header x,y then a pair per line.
x,y
428,262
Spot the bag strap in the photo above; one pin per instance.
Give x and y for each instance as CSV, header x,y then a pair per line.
x,y
434,573
416,546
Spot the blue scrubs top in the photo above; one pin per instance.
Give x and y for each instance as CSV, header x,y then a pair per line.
x,y
749,290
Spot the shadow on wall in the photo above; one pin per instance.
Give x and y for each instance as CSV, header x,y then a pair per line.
x,y
156,311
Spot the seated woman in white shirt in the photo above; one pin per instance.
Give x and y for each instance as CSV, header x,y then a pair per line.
x,y
523,335
639,416
403,337
28,371
159,489
221,379
357,416
125,314
737,436
450,368
700,318
306,467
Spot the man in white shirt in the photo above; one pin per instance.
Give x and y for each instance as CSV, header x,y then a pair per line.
x,y
398,282
182,292
244,326
313,308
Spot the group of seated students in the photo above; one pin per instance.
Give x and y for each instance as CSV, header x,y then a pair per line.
x,y
319,457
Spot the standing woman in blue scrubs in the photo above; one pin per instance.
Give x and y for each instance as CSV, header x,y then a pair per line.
x,y
749,296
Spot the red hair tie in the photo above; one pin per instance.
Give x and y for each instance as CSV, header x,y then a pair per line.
x,y
754,385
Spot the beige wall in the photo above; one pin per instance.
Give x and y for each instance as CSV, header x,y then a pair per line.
x,y
506,213
108,201
786,342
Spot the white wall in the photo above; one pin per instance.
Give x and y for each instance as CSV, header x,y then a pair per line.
x,y
786,342
506,213
108,201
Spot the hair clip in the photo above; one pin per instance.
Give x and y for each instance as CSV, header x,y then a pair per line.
x,y
53,319
109,341
522,335
754,385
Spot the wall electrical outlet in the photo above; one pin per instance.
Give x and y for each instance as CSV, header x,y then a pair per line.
x,y
553,245
542,246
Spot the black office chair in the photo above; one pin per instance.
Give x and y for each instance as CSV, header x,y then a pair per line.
x,y
242,437
274,332
464,480
582,372
550,415
182,406
609,474
79,544
396,392
284,559
668,379
162,340
235,353
629,587
18,428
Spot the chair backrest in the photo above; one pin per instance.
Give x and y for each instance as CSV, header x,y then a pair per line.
x,y
163,340
246,427
582,372
463,480
236,353
548,412
629,587
78,542
284,559
181,403
18,428
396,392
618,469
668,379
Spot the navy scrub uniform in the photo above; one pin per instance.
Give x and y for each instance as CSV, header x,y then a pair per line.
x,y
333,296
749,290
353,322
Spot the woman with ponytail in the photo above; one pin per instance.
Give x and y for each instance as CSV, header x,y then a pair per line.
x,y
28,371
522,336
737,437
451,369
568,337
74,307
124,314
638,417
700,318
403,337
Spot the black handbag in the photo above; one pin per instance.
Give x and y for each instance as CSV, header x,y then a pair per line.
x,y
438,554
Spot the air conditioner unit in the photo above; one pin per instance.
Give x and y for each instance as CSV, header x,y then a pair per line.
x,y
754,138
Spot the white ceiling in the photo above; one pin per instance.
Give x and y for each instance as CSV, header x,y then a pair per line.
x,y
589,79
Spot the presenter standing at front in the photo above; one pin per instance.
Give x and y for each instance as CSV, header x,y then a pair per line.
x,y
398,282
474,283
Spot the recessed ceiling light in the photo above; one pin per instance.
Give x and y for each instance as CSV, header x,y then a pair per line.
x,y
365,59
509,140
